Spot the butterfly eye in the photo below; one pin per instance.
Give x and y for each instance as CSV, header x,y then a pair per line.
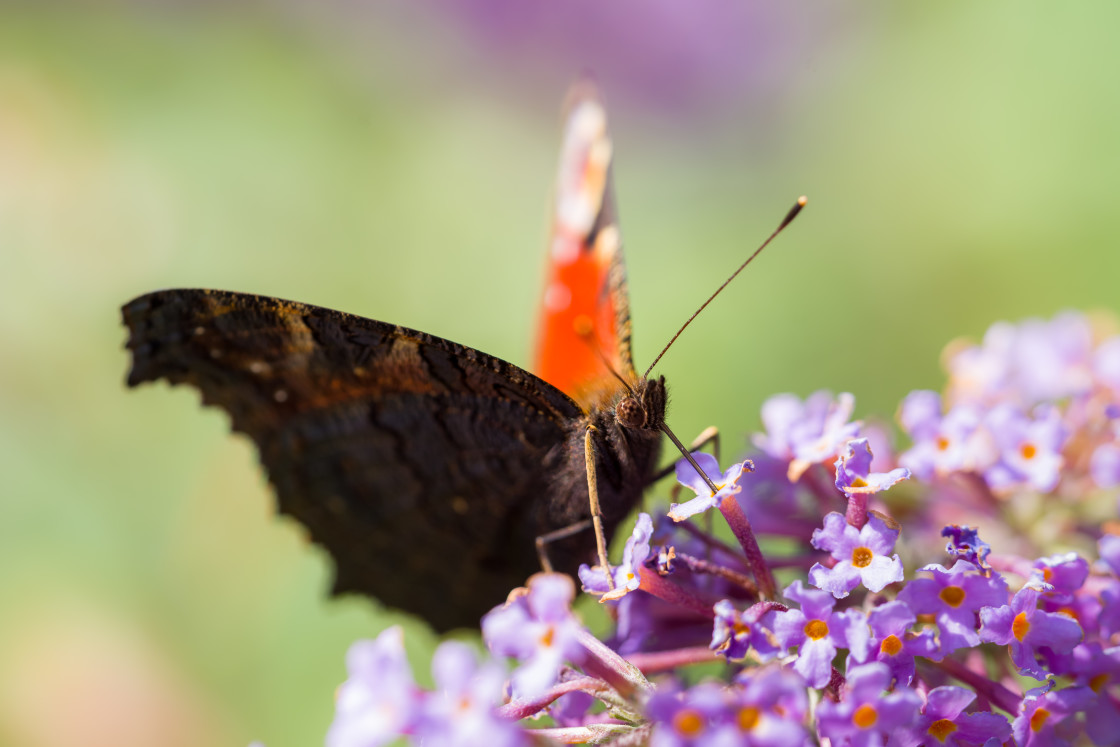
x,y
630,413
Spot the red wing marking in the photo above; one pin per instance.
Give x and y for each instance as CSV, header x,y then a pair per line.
x,y
585,316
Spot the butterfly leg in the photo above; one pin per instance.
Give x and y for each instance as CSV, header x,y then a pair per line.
x,y
557,534
596,513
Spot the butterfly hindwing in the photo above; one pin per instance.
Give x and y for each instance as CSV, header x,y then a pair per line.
x,y
584,330
424,467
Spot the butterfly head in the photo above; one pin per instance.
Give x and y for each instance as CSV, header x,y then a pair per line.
x,y
643,407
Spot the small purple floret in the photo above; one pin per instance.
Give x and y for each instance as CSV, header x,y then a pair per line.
x,y
866,716
538,629
954,596
944,722
627,576
854,475
818,632
726,482
1025,628
965,544
862,556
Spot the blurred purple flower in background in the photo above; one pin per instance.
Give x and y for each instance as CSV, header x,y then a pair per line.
x,y
696,55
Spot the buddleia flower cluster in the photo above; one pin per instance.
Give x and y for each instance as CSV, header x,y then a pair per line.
x,y
963,589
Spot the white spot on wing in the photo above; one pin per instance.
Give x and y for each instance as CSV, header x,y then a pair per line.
x,y
565,250
280,395
557,297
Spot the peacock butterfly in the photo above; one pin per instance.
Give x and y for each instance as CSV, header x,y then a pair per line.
x,y
428,469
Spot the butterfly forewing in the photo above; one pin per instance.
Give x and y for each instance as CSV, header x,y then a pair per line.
x,y
428,469
424,467
584,329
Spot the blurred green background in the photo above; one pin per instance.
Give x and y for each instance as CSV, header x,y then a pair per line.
x,y
395,160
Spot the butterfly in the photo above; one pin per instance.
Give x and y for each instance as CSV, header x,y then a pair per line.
x,y
425,468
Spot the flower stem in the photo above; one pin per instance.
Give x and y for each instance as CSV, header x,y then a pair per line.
x,y
699,565
605,663
652,662
673,593
741,528
1001,696
856,515
515,710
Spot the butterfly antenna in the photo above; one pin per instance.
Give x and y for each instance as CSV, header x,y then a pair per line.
x,y
801,201
607,364
688,455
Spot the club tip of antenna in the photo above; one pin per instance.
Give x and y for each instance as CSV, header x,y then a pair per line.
x,y
802,201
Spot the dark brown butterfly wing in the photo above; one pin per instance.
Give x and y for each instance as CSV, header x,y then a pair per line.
x,y
424,467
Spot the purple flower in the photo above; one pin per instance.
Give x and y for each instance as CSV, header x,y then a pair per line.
x,y
1064,573
806,433
1099,670
1109,551
735,633
866,717
965,544
954,596
726,482
379,700
1104,465
461,710
1029,448
538,629
767,710
1026,363
818,632
861,555
1047,718
1106,364
978,371
700,716
1053,359
893,644
854,475
1109,620
771,707
1083,606
944,722
1026,628
942,444
628,575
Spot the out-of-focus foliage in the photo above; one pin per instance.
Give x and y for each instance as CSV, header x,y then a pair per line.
x,y
394,160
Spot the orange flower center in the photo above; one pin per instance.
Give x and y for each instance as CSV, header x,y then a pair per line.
x,y
688,722
941,729
547,636
942,443
861,557
859,482
1020,626
741,628
1096,684
952,596
1028,451
1038,718
816,629
865,716
891,645
748,718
